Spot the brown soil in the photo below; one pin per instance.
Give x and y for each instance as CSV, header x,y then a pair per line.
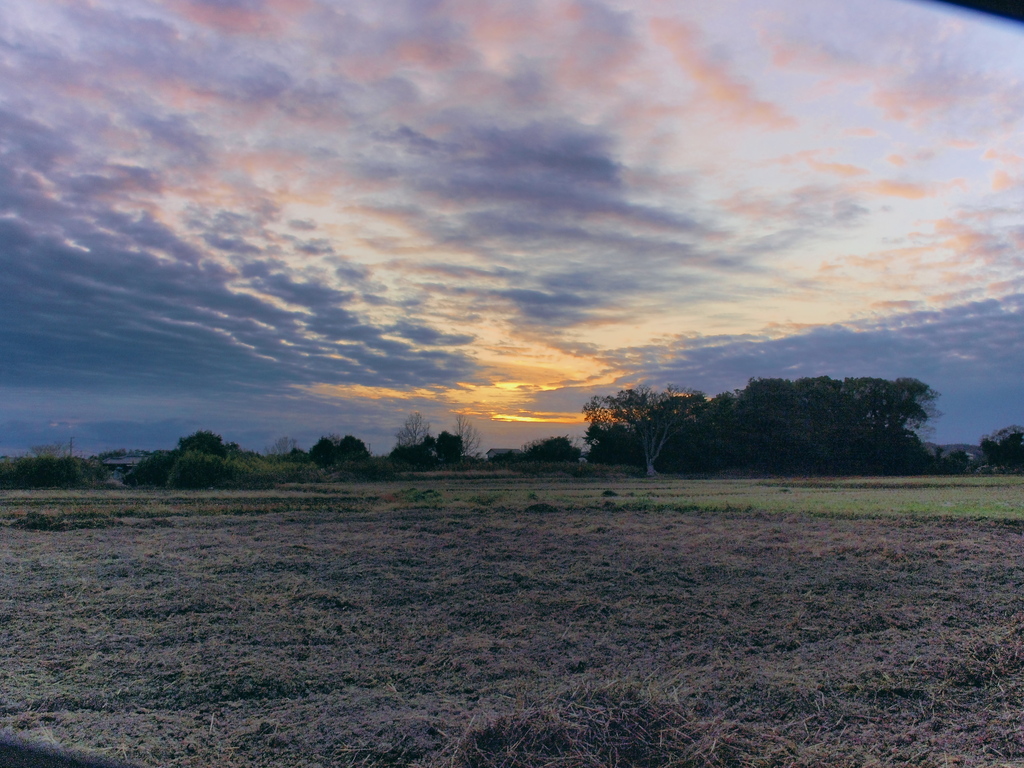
x,y
344,632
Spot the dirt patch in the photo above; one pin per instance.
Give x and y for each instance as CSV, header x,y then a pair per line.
x,y
401,631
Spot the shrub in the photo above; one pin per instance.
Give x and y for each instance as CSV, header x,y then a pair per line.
x,y
198,470
551,449
155,469
46,472
421,455
255,473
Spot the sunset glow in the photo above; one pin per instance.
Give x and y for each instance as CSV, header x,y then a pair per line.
x,y
296,217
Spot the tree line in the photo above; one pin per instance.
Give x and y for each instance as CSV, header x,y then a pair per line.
x,y
816,426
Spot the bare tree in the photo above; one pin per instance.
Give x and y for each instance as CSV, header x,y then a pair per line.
x,y
282,446
413,432
470,436
653,417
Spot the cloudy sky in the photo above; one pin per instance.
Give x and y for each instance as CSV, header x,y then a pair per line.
x,y
295,217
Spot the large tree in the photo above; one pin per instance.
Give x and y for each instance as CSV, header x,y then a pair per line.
x,y
652,416
885,418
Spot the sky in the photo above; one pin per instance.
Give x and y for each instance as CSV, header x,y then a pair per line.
x,y
302,217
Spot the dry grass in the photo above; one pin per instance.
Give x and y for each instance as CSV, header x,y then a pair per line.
x,y
511,623
617,725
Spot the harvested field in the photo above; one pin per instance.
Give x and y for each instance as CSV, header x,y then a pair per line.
x,y
502,622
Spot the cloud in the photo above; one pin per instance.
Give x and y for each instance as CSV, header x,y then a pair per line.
x,y
714,78
806,209
1001,181
972,353
249,17
260,197
131,305
919,62
908,190
838,169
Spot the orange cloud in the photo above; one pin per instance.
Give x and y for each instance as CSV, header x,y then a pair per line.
x,y
714,78
839,169
909,190
1008,158
1001,180
905,189
539,418
912,104
897,160
962,239
810,157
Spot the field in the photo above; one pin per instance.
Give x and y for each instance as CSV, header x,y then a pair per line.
x,y
450,621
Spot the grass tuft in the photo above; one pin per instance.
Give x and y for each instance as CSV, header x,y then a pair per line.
x,y
617,725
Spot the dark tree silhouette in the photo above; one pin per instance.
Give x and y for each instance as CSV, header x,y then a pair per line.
x,y
551,449
653,417
1004,448
448,448
613,444
331,450
422,455
813,425
204,441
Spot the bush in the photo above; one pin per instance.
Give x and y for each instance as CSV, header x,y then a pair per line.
x,y
198,470
421,455
195,469
551,449
269,472
45,472
155,469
